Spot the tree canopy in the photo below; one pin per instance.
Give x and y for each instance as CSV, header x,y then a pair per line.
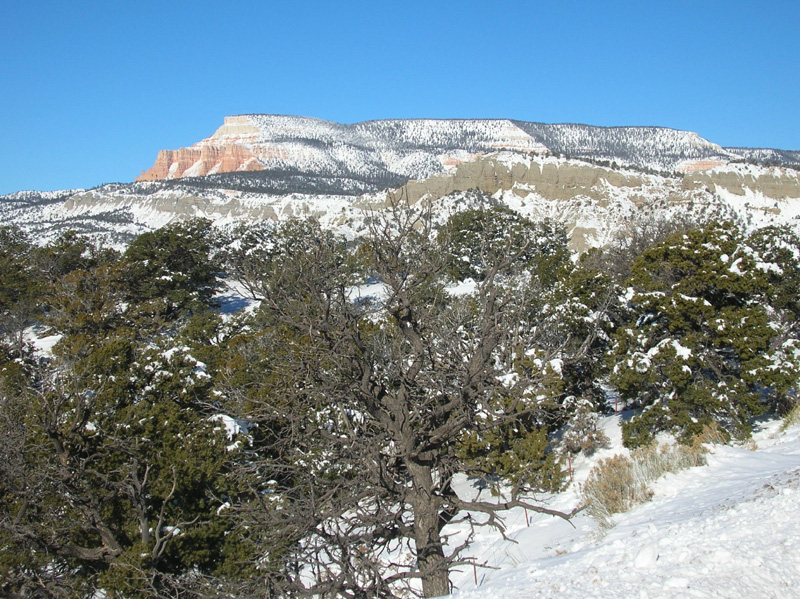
x,y
310,445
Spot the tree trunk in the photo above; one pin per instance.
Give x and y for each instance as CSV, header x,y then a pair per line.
x,y
431,561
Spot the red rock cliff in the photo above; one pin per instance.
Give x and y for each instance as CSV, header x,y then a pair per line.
x,y
223,152
200,160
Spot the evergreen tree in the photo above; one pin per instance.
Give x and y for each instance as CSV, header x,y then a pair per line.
x,y
476,240
68,253
777,254
171,271
114,477
363,404
699,346
20,287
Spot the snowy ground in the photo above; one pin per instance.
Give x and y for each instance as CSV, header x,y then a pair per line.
x,y
729,529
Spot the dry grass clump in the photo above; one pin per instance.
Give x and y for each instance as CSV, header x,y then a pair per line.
x,y
713,434
619,483
792,417
612,488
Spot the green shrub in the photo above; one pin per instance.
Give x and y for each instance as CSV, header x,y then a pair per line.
x,y
700,346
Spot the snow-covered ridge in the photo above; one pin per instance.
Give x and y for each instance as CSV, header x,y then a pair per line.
x,y
592,200
419,148
594,179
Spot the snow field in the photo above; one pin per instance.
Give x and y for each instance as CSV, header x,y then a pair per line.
x,y
729,529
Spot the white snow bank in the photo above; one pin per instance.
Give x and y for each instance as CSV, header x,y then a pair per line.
x,y
730,529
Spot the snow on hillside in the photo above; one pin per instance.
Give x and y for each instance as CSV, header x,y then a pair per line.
x,y
392,150
728,529
653,147
334,172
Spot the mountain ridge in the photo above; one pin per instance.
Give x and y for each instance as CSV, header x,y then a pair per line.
x,y
419,148
591,179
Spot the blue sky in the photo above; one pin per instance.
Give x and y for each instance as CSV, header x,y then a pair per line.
x,y
92,90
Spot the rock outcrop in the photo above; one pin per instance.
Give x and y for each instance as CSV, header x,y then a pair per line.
x,y
565,180
594,201
207,159
224,152
552,179
773,183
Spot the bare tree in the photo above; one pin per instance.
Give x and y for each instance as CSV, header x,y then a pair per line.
x,y
364,407
642,232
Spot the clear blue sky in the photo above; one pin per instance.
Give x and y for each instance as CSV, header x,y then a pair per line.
x,y
90,91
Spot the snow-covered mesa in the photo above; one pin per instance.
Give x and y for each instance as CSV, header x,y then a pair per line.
x,y
418,148
270,167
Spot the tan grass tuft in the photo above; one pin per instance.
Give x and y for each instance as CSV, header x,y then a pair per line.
x,y
620,483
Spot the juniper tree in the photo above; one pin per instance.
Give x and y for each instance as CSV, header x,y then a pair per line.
x,y
171,271
475,241
699,345
20,287
111,477
777,252
114,475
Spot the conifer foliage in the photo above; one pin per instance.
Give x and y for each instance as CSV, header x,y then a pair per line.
x,y
700,346
369,402
113,469
310,446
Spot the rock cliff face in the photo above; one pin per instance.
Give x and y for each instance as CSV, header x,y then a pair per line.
x,y
565,180
553,179
775,183
224,152
593,202
201,161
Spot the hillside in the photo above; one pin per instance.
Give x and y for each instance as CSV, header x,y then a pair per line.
x,y
592,201
283,409
728,529
593,180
